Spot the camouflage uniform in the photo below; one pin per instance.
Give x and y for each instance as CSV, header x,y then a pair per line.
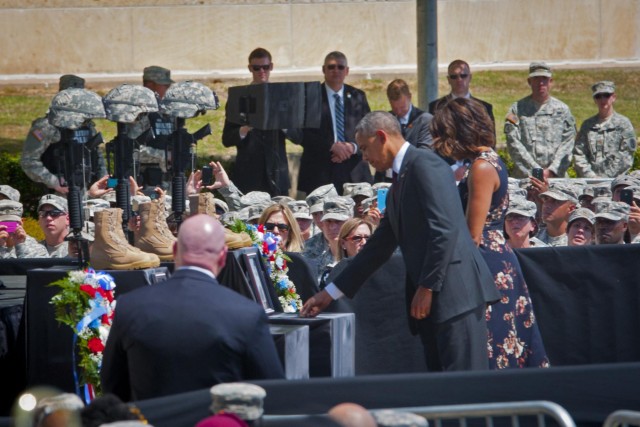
x,y
561,240
605,149
317,253
11,210
59,251
41,135
540,136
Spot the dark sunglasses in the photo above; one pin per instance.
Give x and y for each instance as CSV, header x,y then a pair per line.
x,y
270,226
358,238
54,213
261,67
338,66
603,95
457,76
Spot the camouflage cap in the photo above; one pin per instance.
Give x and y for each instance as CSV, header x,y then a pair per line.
x,y
70,81
10,210
127,423
55,201
539,69
109,197
338,208
583,213
91,206
63,401
357,189
125,103
157,74
230,217
517,192
625,180
283,200
595,190
243,399
390,418
604,86
562,192
71,108
10,192
522,206
221,204
255,198
379,185
300,209
255,211
187,99
89,230
315,199
614,211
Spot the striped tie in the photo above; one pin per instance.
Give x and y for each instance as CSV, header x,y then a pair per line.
x,y
339,118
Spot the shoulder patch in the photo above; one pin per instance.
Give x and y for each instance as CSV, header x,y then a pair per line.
x,y
37,133
512,118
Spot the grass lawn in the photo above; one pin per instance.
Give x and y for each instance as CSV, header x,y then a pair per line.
x,y
19,105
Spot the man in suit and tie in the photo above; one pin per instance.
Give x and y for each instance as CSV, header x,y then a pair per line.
x,y
448,283
330,153
189,332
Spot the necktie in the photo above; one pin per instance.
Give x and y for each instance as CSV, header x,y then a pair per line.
x,y
339,117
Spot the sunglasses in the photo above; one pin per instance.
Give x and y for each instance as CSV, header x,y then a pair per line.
x,y
603,95
270,226
261,67
357,238
54,213
334,66
457,76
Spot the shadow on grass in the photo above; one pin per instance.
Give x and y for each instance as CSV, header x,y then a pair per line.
x,y
10,145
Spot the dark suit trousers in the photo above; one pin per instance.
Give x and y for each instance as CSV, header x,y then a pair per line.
x,y
458,344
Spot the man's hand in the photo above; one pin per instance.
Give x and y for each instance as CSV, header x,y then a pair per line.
x,y
548,174
421,304
459,173
99,188
316,304
634,220
341,151
244,130
60,189
537,187
19,236
374,215
4,236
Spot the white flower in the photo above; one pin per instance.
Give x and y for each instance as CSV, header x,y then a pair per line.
x,y
103,332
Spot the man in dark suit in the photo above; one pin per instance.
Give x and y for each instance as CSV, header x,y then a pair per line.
x,y
261,160
448,283
330,154
189,332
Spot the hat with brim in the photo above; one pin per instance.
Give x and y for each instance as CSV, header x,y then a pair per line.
x,y
243,399
562,193
604,86
10,210
300,209
614,211
539,69
582,213
338,208
53,200
10,192
625,180
316,198
522,206
156,74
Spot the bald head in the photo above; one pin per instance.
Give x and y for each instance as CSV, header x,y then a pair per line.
x,y
352,415
201,244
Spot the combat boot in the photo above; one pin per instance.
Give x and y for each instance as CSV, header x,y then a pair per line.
x,y
154,236
202,203
111,250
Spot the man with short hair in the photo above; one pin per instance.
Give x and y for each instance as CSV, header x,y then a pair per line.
x,y
540,129
557,204
53,218
611,222
413,121
330,154
261,160
606,142
189,332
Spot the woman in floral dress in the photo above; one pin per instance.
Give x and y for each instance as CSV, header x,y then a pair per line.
x,y
463,130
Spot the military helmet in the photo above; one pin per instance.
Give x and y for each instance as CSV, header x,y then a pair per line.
x,y
186,99
126,102
71,107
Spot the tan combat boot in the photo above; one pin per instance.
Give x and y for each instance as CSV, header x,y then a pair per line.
x,y
111,250
202,203
154,236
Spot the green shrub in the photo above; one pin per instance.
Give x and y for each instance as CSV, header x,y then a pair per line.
x,y
11,173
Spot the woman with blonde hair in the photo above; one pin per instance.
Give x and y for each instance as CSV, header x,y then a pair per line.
x,y
354,233
278,219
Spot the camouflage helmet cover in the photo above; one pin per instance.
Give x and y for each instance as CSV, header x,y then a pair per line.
x,y
126,102
186,99
70,108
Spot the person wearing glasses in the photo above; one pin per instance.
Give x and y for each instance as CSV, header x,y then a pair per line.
x,y
279,220
261,160
607,141
540,129
53,218
459,79
330,153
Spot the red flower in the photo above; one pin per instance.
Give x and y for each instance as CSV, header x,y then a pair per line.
x,y
105,319
261,228
95,345
89,290
265,248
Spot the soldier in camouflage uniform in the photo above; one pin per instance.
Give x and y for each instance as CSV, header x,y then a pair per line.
x,y
17,244
540,129
53,218
40,161
607,141
557,204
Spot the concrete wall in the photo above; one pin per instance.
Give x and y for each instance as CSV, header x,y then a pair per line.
x,y
214,37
